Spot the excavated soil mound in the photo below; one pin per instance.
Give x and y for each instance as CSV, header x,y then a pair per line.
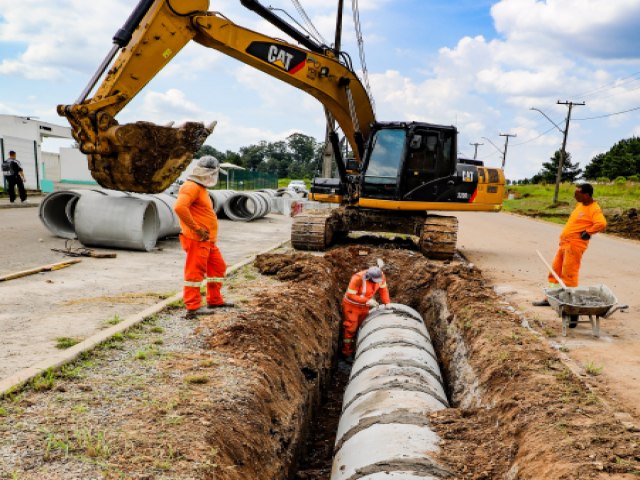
x,y
625,225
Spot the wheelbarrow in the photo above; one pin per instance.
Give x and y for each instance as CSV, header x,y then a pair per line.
x,y
594,302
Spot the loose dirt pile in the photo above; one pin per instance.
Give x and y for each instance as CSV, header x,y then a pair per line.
x,y
236,399
626,224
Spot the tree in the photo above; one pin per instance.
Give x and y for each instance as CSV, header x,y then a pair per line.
x,y
209,150
594,169
622,160
549,172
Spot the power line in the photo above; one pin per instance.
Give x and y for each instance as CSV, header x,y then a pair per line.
x,y
609,114
532,139
610,85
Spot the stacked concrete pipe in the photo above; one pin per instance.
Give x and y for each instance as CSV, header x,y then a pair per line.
x,y
395,383
219,198
247,206
109,218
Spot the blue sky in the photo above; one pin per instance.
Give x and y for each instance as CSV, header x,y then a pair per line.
x,y
480,65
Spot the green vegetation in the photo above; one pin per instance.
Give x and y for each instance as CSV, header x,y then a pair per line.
x,y
592,369
537,199
66,342
296,157
115,320
197,379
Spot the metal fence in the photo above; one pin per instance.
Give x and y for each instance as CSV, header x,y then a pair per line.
x,y
246,180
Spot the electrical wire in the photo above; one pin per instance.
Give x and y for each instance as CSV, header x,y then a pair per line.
x,y
607,115
532,139
608,86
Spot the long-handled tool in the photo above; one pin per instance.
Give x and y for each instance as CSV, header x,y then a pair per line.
x,y
556,276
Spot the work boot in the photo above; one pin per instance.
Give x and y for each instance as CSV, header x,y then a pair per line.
x,y
221,305
199,312
541,303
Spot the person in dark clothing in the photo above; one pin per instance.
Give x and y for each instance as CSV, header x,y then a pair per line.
x,y
13,173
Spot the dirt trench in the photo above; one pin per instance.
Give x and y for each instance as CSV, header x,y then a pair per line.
x,y
519,412
268,394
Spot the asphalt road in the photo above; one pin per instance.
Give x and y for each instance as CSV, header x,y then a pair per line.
x,y
504,247
79,300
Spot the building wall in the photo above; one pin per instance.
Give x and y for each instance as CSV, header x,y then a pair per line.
x,y
24,135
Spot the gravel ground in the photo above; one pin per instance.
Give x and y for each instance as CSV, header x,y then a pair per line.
x,y
140,391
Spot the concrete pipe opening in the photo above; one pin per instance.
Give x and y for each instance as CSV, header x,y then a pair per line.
x,y
247,206
56,213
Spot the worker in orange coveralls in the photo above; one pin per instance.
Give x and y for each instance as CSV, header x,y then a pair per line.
x,y
356,304
199,225
585,221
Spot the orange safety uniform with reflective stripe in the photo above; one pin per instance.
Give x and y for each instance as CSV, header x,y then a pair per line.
x,y
354,308
204,260
584,218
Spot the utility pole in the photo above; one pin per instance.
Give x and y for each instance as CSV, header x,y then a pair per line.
x,y
506,144
475,153
329,154
563,149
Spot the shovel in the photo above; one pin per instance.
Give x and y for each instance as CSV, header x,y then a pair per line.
x,y
557,277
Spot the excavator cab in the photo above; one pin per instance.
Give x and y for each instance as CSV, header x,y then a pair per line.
x,y
409,162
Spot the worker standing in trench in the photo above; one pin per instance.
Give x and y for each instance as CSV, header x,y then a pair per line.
x,y
357,302
199,225
585,221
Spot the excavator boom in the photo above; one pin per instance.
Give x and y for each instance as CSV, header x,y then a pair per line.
x,y
143,157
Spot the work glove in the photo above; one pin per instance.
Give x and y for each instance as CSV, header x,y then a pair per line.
x,y
382,306
372,303
203,234
585,236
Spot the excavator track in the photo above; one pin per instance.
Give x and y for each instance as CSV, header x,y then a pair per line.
x,y
313,230
439,237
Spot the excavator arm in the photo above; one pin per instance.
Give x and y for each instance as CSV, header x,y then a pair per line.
x,y
143,157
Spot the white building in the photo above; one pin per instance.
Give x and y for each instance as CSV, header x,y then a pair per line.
x,y
25,135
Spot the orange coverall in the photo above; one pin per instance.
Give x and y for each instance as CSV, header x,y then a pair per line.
x,y
204,260
584,218
354,308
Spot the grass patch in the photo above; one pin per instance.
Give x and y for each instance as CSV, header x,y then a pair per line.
x,y
538,199
44,381
196,379
145,353
592,369
67,342
115,320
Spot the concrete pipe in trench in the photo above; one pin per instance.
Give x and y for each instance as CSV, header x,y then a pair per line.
x,y
247,206
395,383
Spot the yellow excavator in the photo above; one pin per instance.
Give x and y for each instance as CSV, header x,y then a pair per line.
x,y
397,173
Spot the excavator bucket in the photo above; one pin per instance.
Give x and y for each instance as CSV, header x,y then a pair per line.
x,y
146,158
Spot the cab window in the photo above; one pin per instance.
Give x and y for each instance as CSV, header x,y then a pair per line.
x,y
386,156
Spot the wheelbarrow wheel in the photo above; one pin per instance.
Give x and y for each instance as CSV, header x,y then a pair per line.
x,y
573,321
